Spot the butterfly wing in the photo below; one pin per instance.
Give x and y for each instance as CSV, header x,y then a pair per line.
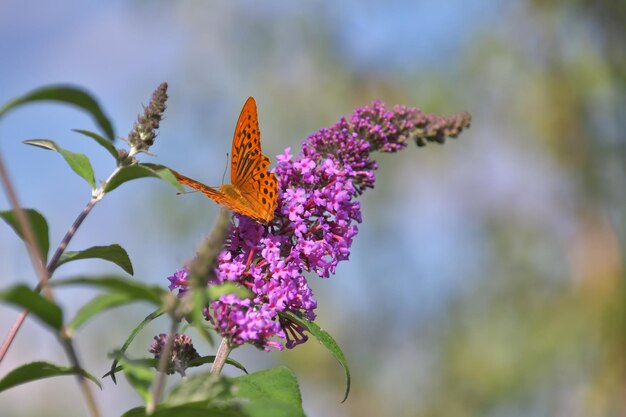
x,y
246,143
210,192
254,189
249,171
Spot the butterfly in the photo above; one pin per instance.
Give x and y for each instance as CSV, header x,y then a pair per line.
x,y
254,189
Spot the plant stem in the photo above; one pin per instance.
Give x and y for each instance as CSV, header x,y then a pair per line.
x,y
52,265
33,251
164,362
36,256
66,341
220,357
43,274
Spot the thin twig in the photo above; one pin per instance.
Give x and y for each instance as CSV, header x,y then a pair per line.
x,y
12,333
33,251
43,274
164,363
52,265
83,383
36,256
54,261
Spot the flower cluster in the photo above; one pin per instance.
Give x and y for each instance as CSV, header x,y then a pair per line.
x,y
315,222
182,351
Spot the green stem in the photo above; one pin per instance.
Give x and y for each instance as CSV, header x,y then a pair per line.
x,y
164,363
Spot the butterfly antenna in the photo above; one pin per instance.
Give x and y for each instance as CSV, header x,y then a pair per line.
x,y
225,167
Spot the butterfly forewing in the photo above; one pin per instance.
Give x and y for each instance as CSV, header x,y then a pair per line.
x,y
254,190
249,171
246,148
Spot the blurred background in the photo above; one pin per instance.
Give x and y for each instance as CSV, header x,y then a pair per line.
x,y
488,276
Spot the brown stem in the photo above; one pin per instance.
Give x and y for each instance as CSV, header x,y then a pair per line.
x,y
52,265
66,341
43,274
36,256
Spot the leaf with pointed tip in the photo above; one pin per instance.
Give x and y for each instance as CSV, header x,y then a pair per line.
x,y
38,225
65,94
139,291
157,313
97,305
104,142
139,376
203,387
77,161
46,311
112,253
128,173
327,341
154,363
39,370
166,175
272,392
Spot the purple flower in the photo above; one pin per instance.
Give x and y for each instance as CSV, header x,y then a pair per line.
x,y
179,280
315,222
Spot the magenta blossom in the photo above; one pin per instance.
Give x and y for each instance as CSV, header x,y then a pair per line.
x,y
316,220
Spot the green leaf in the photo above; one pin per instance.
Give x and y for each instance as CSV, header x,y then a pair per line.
x,y
46,311
272,393
210,359
65,94
104,142
77,161
150,293
38,225
271,408
157,313
188,410
112,253
128,173
39,370
97,305
327,341
139,376
192,364
166,174
205,387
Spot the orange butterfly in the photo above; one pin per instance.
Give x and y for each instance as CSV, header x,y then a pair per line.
x,y
254,189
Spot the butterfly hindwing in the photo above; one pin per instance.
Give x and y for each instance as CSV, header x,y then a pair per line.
x,y
210,192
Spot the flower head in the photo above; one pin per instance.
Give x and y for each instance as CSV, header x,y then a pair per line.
x,y
315,223
142,137
182,352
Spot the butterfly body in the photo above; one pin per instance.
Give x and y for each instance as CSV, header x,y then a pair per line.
x,y
254,190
